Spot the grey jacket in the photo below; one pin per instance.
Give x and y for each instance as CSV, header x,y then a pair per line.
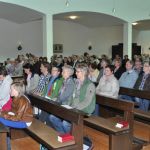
x,y
66,92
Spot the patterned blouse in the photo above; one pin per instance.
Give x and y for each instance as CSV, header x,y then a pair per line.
x,y
43,81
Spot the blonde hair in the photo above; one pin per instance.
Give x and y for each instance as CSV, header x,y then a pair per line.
x,y
20,87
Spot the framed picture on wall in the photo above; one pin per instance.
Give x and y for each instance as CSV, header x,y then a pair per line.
x,y
58,48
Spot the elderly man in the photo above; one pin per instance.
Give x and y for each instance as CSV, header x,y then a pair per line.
x,y
128,78
83,98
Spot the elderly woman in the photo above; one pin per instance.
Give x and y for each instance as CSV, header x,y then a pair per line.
x,y
64,97
66,91
84,94
108,85
143,83
83,97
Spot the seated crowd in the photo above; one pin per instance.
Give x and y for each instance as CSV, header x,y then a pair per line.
x,y
73,81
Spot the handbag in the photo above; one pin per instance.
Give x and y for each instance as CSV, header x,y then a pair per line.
x,y
87,141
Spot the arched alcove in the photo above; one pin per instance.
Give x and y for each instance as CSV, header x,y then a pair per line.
x,y
20,26
90,29
126,10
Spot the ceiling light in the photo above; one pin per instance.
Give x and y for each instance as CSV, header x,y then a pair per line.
x,y
67,3
73,17
134,23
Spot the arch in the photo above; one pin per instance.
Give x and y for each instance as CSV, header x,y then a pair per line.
x,y
21,5
91,11
88,15
124,9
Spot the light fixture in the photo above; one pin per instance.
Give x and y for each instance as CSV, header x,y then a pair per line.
x,y
19,45
114,7
113,10
67,3
134,23
73,17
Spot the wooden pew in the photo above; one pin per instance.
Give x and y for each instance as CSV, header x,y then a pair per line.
x,y
3,137
119,139
142,123
48,136
139,114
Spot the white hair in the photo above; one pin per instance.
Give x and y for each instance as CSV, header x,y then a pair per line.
x,y
69,68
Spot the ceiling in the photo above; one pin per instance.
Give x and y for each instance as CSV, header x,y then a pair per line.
x,y
93,20
18,14
142,25
90,19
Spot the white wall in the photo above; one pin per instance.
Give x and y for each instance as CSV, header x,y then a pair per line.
x,y
8,39
76,38
143,39
103,38
29,34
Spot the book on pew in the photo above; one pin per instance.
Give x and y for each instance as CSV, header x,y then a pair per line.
x,y
122,124
65,137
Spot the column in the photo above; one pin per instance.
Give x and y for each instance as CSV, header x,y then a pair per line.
x,y
48,36
127,39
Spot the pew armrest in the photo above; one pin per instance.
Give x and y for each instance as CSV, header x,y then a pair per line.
x,y
47,136
104,125
142,115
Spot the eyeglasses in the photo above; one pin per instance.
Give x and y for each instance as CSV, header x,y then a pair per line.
x,y
54,70
78,71
146,65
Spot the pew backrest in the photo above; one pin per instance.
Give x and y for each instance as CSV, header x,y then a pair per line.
x,y
117,136
135,93
139,114
122,105
75,117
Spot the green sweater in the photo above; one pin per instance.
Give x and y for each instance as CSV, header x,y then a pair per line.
x,y
55,88
86,99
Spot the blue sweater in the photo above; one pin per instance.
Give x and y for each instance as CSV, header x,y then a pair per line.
x,y
128,79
